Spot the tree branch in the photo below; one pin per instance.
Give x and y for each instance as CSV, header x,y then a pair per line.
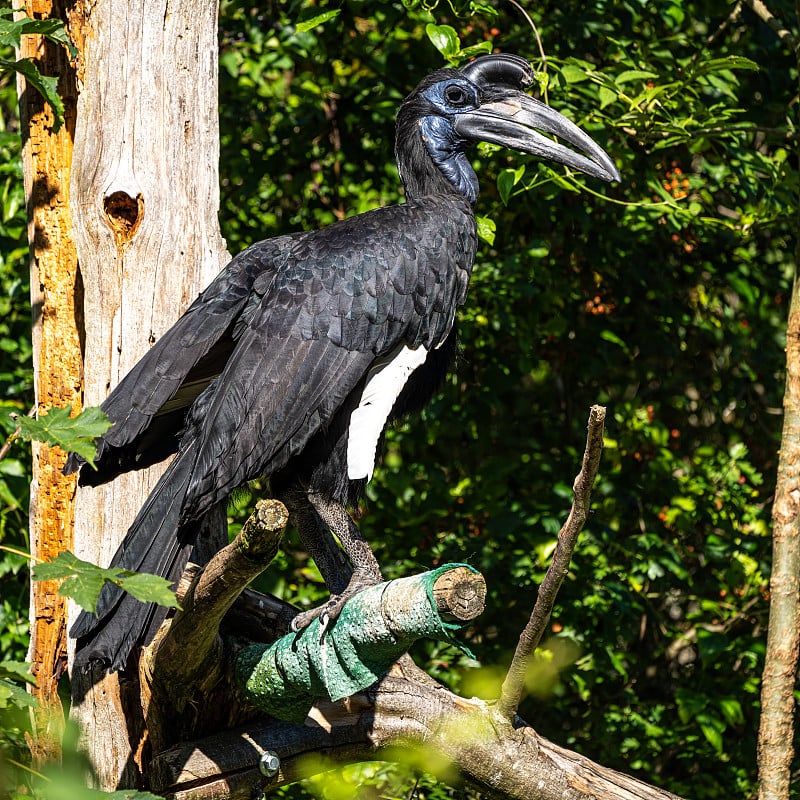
x,y
776,732
501,760
187,658
182,646
514,684
781,31
375,628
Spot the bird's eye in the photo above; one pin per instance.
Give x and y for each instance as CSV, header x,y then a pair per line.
x,y
455,95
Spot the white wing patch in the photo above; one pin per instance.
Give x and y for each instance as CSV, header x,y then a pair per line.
x,y
384,384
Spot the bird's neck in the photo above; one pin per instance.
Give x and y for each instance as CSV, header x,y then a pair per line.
x,y
432,161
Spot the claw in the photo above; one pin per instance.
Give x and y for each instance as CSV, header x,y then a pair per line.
x,y
329,612
324,622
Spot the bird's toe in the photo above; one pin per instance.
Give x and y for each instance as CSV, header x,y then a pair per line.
x,y
329,612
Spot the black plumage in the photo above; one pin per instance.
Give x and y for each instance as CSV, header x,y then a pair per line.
x,y
293,360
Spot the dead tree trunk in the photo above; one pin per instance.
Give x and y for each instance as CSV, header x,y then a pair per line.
x,y
144,199
55,297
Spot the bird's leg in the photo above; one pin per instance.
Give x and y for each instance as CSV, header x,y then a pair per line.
x,y
321,546
366,571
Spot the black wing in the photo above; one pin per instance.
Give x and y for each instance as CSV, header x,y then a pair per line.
x,y
344,296
148,407
279,339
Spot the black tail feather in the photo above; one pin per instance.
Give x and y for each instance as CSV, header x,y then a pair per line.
x,y
155,543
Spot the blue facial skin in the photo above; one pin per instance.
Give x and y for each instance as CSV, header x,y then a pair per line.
x,y
445,148
447,98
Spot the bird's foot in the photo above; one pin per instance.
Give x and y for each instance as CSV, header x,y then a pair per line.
x,y
329,612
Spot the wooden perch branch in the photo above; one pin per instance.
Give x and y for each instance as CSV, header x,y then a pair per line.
x,y
374,629
184,643
514,684
405,708
498,758
187,660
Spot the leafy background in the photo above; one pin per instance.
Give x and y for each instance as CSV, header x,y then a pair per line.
x,y
663,297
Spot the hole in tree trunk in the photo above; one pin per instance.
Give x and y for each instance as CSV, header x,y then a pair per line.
x,y
124,214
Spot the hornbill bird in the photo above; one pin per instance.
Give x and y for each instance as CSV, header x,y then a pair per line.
x,y
295,358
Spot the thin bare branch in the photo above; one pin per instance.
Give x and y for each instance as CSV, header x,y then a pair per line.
x,y
514,684
14,436
525,14
725,24
781,31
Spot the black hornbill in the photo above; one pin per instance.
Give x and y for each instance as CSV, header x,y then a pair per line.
x,y
296,357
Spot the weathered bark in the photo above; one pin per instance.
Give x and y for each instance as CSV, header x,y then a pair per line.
x,y
144,198
776,732
181,649
500,759
183,672
777,724
47,159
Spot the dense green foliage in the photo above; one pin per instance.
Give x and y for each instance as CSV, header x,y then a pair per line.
x,y
662,298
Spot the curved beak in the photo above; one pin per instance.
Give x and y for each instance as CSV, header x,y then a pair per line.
x,y
517,121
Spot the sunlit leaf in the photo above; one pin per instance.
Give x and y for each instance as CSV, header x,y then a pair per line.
x,y
486,229
83,581
572,73
72,434
319,19
16,670
12,695
709,65
149,588
12,29
444,39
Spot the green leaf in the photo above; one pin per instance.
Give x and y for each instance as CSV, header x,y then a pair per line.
x,y
721,64
607,97
11,695
47,87
64,785
444,39
542,81
53,29
474,50
486,229
72,434
308,24
634,75
16,670
83,581
149,588
612,337
712,728
573,74
558,178
732,710
507,180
